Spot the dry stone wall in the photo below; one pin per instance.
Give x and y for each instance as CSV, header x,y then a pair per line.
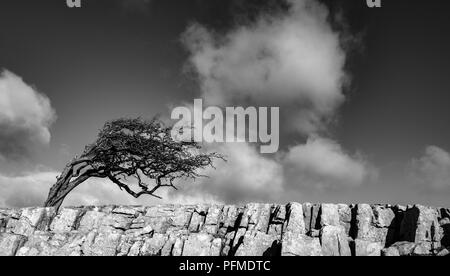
x,y
215,230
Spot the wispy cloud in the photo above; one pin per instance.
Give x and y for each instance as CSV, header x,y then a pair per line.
x,y
432,170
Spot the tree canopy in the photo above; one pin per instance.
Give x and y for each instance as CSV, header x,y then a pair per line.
x,y
133,149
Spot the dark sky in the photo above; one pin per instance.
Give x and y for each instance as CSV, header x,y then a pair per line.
x,y
110,59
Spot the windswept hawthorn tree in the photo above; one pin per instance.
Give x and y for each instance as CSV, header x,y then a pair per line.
x,y
133,149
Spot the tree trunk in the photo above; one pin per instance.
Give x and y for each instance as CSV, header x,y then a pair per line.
x,y
63,186
60,190
55,197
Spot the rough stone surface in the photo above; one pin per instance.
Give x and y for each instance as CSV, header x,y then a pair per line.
x,y
335,241
409,249
226,230
367,248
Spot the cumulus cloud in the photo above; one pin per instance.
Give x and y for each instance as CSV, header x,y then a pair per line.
x,y
432,170
25,117
294,60
322,163
246,176
319,165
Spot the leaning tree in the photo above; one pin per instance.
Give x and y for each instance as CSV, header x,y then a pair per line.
x,y
137,150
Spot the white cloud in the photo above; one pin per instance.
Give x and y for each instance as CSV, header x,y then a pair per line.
x,y
246,176
25,117
294,60
319,165
322,163
432,170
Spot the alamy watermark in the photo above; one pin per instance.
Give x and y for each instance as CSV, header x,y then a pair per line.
x,y
234,125
373,3
77,3
73,3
